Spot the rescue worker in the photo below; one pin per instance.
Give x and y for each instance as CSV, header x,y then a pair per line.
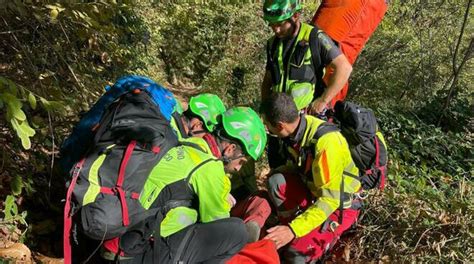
x,y
199,118
246,201
296,57
314,196
191,184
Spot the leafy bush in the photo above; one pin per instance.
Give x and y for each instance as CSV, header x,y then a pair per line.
x,y
426,213
408,62
56,58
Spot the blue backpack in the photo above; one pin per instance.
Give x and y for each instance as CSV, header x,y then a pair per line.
x,y
82,136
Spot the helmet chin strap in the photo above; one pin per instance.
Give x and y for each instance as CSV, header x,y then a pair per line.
x,y
194,133
225,159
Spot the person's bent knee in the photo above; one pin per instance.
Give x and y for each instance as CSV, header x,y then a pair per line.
x,y
275,182
237,233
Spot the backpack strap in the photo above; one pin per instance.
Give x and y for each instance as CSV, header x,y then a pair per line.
x,y
341,201
382,168
317,62
323,129
211,141
121,178
184,242
192,145
68,213
197,167
179,124
377,168
271,49
118,189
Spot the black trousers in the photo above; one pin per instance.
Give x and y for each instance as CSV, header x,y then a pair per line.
x,y
212,242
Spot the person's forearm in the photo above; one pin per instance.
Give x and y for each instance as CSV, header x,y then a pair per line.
x,y
336,82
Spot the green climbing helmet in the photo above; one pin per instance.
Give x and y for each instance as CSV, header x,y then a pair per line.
x,y
208,107
243,124
275,11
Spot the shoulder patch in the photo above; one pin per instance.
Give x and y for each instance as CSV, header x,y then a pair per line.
x,y
325,40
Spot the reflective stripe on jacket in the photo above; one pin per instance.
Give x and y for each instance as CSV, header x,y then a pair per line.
x,y
208,184
324,175
298,77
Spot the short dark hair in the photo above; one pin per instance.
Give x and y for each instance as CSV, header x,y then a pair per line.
x,y
279,107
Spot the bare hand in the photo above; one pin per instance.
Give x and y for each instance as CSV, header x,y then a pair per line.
x,y
281,235
317,106
231,200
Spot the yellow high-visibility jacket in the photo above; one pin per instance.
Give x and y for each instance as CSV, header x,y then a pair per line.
x,y
321,164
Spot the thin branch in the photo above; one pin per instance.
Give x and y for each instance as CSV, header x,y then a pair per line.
x,y
64,32
412,228
52,154
79,83
33,67
456,50
418,242
10,31
457,70
455,79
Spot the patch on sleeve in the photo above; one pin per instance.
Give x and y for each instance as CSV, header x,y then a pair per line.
x,y
325,41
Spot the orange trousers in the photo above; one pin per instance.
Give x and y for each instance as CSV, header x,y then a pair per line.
x,y
350,23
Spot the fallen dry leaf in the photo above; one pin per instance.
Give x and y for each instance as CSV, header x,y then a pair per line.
x,y
347,253
40,258
18,252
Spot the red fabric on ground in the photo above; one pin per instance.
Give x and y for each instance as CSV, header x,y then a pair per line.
x,y
254,208
350,23
260,252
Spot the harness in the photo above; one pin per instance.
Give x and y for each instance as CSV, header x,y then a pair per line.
x,y
301,76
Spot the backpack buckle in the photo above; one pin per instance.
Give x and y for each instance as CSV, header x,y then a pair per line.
x,y
362,195
333,225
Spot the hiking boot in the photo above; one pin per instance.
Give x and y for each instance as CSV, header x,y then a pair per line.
x,y
253,229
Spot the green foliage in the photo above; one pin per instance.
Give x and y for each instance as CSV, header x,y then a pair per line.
x,y
426,146
16,185
213,47
11,216
14,113
408,62
57,57
426,213
68,48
